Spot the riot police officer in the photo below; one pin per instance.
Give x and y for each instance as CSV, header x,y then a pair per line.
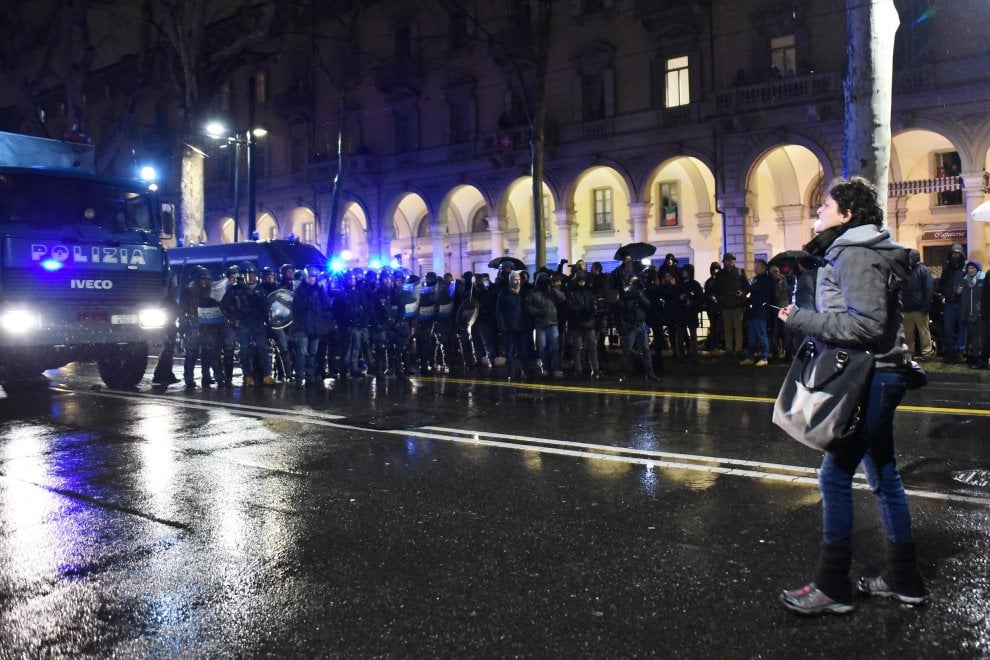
x,y
246,310
310,317
202,327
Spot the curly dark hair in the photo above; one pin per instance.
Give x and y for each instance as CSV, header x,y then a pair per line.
x,y
859,197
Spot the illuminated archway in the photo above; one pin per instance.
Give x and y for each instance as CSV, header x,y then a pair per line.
x,y
516,207
465,249
782,184
928,220
680,210
267,227
227,230
354,235
600,202
302,225
413,253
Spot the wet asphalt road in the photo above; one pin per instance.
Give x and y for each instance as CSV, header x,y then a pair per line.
x,y
464,517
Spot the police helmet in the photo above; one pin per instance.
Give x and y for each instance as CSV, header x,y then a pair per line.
x,y
286,267
247,267
199,273
266,271
231,270
313,271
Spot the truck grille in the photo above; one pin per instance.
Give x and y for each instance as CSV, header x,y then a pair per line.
x,y
93,289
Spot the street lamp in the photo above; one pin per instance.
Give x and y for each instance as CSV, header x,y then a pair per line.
x,y
248,138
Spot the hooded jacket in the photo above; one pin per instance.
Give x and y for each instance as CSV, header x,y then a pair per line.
x,y
972,295
858,296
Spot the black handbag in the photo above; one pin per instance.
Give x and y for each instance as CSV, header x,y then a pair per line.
x,y
823,391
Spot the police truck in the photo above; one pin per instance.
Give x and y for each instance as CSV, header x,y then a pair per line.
x,y
83,273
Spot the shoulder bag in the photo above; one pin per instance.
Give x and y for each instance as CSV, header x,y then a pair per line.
x,y
820,398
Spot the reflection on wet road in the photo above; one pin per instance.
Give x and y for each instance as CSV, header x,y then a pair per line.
x,y
459,517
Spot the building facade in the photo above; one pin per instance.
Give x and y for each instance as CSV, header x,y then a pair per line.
x,y
698,127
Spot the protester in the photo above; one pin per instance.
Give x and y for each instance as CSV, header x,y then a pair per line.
x,y
857,306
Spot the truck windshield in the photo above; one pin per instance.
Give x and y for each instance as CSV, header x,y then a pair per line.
x,y
44,200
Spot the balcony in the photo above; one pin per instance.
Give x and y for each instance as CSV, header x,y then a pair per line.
x,y
795,90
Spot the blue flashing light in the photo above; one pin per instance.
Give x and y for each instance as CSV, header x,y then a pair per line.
x,y
337,265
395,265
149,173
375,264
51,265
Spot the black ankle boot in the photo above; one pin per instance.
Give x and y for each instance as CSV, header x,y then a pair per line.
x,y
902,570
832,576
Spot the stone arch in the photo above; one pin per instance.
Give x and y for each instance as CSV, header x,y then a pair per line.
x,y
916,155
516,209
777,187
407,212
599,243
354,235
302,225
227,230
267,227
687,223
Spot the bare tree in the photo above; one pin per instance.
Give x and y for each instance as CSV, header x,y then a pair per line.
x,y
206,42
338,54
524,50
871,27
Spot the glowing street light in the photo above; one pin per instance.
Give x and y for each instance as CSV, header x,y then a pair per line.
x,y
218,131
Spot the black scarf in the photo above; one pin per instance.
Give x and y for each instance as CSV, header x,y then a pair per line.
x,y
819,244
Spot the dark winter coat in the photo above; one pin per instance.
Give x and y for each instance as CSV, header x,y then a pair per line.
x,y
508,311
245,306
541,305
857,303
311,313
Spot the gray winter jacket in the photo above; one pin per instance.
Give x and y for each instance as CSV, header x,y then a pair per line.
x,y
857,297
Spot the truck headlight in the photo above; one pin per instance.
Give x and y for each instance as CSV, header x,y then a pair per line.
x,y
19,320
152,318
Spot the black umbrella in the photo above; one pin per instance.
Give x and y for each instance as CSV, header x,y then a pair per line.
x,y
635,250
788,259
517,264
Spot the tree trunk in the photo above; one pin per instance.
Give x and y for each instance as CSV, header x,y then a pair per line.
x,y
868,89
538,127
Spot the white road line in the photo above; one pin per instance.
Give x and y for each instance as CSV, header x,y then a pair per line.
x,y
201,404
630,450
524,443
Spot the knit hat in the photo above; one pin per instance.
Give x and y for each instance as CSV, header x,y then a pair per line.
x,y
975,264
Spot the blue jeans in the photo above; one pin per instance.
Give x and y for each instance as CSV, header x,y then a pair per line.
x,y
757,335
873,446
307,348
548,346
254,350
955,330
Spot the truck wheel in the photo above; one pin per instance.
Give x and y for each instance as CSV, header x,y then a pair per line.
x,y
23,376
125,367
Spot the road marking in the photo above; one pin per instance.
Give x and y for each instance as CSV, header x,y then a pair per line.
x,y
200,404
662,394
711,464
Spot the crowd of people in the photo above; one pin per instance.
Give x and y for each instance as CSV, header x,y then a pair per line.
x,y
554,324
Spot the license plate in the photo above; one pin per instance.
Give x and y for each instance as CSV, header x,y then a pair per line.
x,y
124,319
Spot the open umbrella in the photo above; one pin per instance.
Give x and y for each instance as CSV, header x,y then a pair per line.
x,y
982,212
517,264
788,259
635,250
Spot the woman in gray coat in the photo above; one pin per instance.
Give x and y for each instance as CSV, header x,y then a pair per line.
x,y
857,305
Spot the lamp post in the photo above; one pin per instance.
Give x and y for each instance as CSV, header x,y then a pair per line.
x,y
247,138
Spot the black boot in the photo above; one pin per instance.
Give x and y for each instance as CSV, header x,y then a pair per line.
x,y
832,576
901,581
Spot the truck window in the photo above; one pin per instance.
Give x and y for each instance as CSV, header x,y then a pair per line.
x,y
51,201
